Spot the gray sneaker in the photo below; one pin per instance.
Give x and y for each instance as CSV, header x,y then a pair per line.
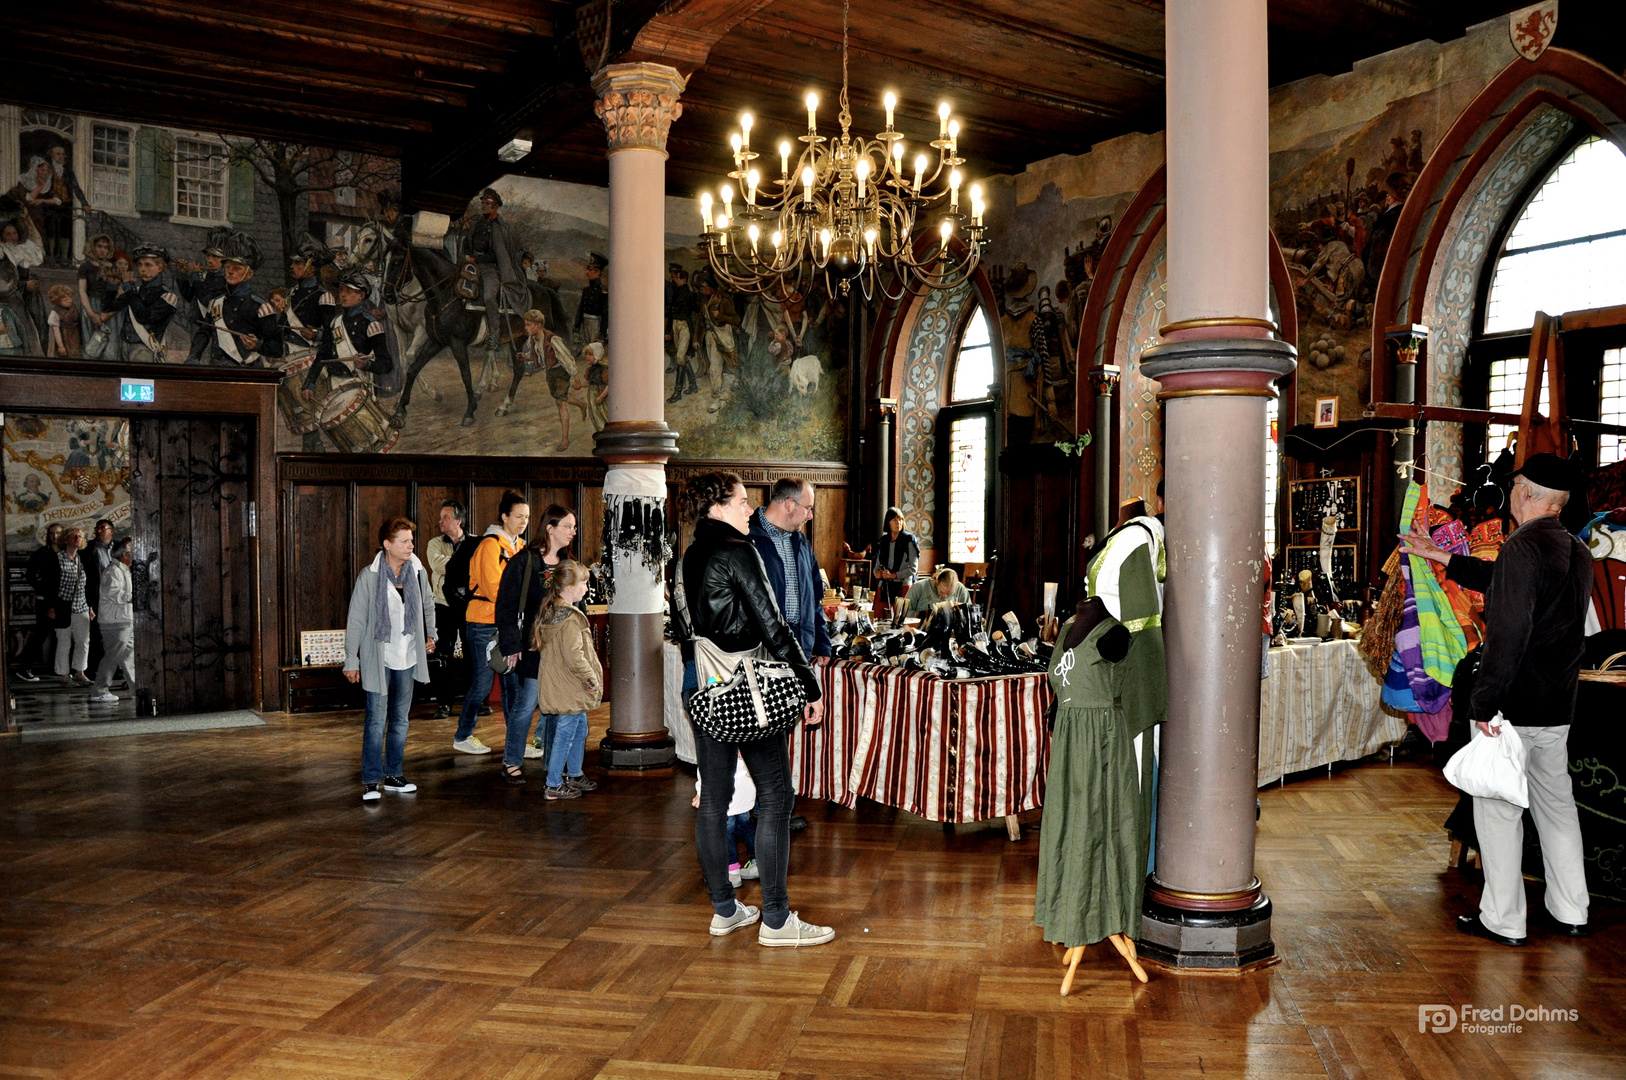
x,y
794,934
744,915
563,791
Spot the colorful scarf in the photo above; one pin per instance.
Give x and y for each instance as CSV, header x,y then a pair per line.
x,y
1440,641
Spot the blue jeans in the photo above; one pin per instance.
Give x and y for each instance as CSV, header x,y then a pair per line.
x,y
476,636
518,703
742,830
569,744
380,754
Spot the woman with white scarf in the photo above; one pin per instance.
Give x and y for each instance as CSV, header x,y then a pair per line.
x,y
20,251
387,642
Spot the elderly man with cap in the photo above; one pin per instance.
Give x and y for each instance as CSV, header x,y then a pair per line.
x,y
1536,597
593,309
490,246
247,327
353,340
145,307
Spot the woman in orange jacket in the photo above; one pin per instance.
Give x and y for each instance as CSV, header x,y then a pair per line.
x,y
497,546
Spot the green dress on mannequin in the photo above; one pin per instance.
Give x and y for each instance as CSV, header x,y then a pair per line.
x,y
1098,798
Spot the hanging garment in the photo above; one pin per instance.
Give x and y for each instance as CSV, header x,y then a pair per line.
x,y
1439,641
1098,797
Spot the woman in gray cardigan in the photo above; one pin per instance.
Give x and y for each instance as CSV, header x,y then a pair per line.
x,y
387,643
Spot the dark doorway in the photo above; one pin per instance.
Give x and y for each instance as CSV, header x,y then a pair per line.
x,y
194,566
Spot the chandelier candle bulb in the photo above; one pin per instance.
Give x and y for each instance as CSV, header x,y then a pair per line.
x,y
954,190
920,170
745,129
778,239
891,103
824,239
812,111
753,178
752,232
705,210
869,238
947,229
897,158
862,172
736,142
807,185
953,136
942,120
784,159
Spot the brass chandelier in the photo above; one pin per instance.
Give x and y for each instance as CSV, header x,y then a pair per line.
x,y
851,210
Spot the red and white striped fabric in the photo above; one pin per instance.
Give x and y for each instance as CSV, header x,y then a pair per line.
x,y
946,750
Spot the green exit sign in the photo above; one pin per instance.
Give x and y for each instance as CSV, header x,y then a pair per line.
x,y
137,391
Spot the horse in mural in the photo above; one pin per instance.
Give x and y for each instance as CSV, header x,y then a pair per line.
x,y
418,275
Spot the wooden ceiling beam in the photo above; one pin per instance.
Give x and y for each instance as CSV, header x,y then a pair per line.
x,y
480,16
117,88
938,71
164,59
217,19
1147,67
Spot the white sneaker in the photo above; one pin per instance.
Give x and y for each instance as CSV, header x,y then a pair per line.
x,y
370,793
106,697
794,934
471,745
749,871
534,752
744,915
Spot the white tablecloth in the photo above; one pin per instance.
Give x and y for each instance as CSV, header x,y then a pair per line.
x,y
1320,705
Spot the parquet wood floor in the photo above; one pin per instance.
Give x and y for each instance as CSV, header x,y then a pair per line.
x,y
221,906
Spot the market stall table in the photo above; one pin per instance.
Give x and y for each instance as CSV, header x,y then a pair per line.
x,y
953,750
1320,705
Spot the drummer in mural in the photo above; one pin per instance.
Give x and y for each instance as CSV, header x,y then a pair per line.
x,y
247,326
310,307
353,341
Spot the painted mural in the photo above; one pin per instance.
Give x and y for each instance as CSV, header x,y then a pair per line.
x,y
136,243
1345,152
61,471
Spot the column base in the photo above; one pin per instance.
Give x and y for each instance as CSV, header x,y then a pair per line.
x,y
1224,942
638,756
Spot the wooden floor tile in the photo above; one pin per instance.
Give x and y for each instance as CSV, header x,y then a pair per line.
x,y
881,1042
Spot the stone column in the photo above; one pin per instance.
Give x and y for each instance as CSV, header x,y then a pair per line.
x,y
1216,363
1105,381
886,410
637,103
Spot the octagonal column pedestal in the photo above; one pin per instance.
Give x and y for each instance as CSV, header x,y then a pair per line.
x,y
1203,906
637,103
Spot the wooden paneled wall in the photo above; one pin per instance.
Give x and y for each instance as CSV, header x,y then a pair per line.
x,y
334,505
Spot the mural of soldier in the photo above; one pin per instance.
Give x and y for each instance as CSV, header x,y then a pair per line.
x,y
593,309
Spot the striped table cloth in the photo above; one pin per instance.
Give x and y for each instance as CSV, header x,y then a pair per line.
x,y
958,750
1320,705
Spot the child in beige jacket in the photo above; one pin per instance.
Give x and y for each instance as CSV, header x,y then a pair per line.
x,y
569,678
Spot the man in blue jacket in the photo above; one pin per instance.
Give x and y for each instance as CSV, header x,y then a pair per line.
x,y
776,529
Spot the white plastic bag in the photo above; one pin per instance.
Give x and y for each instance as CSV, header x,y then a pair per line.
x,y
1491,767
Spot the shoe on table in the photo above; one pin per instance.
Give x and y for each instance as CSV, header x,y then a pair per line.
x,y
563,791
485,710
443,712
794,934
744,915
106,697
749,871
471,745
400,784
369,793
534,752
1470,924
581,782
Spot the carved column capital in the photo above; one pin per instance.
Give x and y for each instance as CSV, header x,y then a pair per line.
x,y
1105,379
638,103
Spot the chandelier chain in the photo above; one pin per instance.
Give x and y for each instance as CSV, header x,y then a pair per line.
x,y
846,115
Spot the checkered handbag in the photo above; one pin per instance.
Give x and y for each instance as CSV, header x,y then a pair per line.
x,y
762,698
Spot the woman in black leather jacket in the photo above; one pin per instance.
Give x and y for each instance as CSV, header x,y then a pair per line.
x,y
730,602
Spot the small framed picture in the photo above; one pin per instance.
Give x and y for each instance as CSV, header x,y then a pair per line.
x,y
1326,412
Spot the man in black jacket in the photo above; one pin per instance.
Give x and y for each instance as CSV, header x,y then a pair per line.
x,y
1536,595
42,577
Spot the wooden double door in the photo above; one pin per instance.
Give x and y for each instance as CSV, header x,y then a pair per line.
x,y
192,532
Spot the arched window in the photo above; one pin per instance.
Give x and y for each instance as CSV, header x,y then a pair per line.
x,y
966,445
1568,249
